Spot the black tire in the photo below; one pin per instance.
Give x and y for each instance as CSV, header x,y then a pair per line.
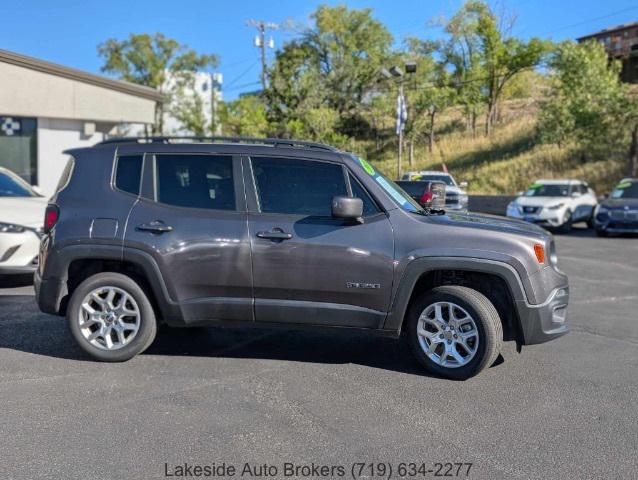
x,y
601,233
567,226
147,328
590,221
488,324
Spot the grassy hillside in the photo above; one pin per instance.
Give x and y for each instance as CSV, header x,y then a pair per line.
x,y
507,161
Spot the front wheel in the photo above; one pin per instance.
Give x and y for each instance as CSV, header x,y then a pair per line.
x,y
111,317
454,331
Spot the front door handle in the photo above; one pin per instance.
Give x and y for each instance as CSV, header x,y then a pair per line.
x,y
154,227
275,234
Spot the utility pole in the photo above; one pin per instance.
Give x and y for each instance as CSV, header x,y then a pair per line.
x,y
260,42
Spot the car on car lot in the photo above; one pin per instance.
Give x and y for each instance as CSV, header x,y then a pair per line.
x,y
619,212
21,217
456,198
429,195
555,204
290,234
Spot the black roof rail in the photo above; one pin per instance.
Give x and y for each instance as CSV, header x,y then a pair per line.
x,y
275,142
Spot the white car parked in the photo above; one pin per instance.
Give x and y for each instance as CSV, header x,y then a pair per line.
x,y
21,220
555,204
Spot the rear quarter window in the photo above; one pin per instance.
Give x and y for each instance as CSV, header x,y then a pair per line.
x,y
128,173
65,178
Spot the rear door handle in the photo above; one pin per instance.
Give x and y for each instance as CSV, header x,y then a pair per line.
x,y
154,227
275,235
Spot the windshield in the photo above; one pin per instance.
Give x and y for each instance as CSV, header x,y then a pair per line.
x,y
553,190
437,178
398,195
625,190
14,186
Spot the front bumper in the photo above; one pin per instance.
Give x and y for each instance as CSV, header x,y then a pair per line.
x,y
547,321
607,224
544,218
19,252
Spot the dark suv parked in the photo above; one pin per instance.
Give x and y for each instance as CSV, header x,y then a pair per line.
x,y
259,232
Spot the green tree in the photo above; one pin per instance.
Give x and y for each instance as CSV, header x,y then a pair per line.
x,y
588,104
433,93
151,60
485,56
245,116
334,65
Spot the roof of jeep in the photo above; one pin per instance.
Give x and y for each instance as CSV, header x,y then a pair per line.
x,y
181,140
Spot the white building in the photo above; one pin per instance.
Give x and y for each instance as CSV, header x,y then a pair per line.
x,y
47,108
203,87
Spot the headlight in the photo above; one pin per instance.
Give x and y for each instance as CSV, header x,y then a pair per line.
x,y
11,228
463,199
556,207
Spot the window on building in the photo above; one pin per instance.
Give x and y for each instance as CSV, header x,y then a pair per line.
x,y
18,147
300,187
196,181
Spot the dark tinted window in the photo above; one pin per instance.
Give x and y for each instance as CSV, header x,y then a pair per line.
x,y
369,207
297,186
415,189
129,173
197,181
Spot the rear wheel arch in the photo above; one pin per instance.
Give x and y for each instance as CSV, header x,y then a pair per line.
x,y
83,262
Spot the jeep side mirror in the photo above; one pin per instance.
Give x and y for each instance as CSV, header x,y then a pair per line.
x,y
347,207
606,196
520,193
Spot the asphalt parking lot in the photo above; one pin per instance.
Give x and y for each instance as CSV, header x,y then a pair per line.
x,y
565,409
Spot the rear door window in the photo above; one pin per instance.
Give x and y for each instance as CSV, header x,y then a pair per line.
x,y
195,181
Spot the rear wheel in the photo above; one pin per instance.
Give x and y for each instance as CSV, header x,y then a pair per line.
x,y
454,331
111,318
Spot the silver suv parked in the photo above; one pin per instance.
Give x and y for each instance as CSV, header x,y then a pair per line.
x,y
274,232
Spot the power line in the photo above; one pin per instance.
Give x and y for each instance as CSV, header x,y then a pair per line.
x,y
241,75
584,22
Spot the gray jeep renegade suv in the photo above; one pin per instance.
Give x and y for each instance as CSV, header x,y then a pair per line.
x,y
277,232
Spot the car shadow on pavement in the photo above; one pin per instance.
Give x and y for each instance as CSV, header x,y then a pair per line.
x,y
327,347
23,328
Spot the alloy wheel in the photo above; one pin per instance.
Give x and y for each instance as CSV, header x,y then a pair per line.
x,y
448,334
109,318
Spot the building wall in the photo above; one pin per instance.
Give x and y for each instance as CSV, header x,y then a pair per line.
x,y
55,136
31,93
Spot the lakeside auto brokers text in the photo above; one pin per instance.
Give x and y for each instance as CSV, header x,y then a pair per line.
x,y
355,470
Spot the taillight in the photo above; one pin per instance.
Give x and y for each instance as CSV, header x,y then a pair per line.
x,y
426,197
51,215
